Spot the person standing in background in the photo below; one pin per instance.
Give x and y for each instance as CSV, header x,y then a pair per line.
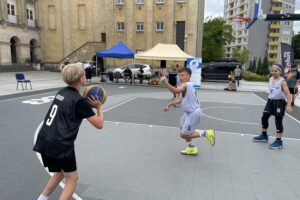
x,y
292,79
237,75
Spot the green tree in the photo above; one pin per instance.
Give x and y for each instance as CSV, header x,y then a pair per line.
x,y
296,45
254,69
259,68
216,33
265,66
242,56
250,68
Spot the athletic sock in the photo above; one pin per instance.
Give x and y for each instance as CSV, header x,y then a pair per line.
x,y
264,133
202,133
191,144
42,197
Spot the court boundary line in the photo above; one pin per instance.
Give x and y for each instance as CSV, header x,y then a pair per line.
x,y
61,184
225,120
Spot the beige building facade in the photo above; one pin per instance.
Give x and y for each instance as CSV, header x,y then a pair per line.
x,y
76,29
19,32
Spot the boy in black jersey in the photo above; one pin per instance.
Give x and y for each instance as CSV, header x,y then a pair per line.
x,y
55,141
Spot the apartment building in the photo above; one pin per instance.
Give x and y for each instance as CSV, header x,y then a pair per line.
x,y
19,31
262,38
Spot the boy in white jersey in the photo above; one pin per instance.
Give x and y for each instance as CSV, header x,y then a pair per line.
x,y
279,101
192,112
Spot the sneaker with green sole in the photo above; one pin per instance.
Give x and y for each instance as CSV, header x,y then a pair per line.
x,y
190,151
210,136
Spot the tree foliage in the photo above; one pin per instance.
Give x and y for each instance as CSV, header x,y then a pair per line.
x,y
296,45
216,34
265,66
242,56
259,68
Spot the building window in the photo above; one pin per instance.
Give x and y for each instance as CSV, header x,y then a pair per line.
x,y
159,26
52,17
160,1
285,40
120,26
181,1
11,9
81,17
287,23
140,26
139,1
103,37
29,13
120,2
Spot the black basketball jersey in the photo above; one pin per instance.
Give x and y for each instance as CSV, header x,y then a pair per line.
x,y
60,127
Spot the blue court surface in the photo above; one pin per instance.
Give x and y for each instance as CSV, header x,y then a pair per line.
x,y
136,156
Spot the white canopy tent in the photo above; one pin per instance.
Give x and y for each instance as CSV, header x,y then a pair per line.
x,y
164,52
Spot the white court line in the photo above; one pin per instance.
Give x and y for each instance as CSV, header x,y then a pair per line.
x,y
225,120
285,113
25,96
119,104
253,104
61,184
173,127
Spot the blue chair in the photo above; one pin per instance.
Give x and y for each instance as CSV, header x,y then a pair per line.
x,y
21,79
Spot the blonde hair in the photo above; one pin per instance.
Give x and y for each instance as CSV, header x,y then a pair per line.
x,y
72,73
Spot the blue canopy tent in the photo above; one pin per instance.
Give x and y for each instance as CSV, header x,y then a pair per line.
x,y
120,50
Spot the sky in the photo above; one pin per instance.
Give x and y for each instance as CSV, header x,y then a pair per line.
x,y
216,8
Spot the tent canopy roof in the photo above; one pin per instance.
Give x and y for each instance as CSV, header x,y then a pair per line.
x,y
120,50
164,52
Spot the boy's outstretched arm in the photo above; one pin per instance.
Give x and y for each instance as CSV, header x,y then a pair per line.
x,y
175,90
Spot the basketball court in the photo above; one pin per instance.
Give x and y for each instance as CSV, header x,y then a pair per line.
x,y
136,154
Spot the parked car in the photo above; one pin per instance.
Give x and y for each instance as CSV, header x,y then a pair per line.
x,y
134,67
217,71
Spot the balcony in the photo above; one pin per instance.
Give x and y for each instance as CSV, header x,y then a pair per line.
x,y
274,51
277,8
12,19
273,60
274,43
274,35
275,1
242,4
242,12
275,26
31,22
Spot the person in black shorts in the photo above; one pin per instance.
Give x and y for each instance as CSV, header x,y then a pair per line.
x,y
279,101
55,141
292,80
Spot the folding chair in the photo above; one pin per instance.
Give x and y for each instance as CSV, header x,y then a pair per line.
x,y
21,79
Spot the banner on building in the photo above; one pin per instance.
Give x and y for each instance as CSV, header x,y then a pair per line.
x,y
195,64
287,56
